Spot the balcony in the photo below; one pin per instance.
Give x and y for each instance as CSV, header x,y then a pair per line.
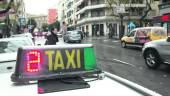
x,y
91,7
79,2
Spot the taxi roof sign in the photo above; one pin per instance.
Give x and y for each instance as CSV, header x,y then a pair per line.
x,y
49,62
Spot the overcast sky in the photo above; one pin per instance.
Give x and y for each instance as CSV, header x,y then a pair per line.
x,y
40,6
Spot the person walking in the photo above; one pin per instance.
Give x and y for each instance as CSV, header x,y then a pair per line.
x,y
52,37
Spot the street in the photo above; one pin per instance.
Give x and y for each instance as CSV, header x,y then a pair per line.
x,y
128,63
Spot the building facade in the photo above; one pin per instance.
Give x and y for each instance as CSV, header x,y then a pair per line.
x,y
163,19
67,12
95,18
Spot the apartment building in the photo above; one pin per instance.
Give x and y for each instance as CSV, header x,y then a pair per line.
x,y
163,19
67,12
94,16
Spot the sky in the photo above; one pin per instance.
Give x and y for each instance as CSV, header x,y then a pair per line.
x,y
38,7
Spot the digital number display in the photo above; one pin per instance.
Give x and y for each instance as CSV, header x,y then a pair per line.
x,y
33,61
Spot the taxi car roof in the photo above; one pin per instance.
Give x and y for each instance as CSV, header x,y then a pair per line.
x,y
107,86
59,46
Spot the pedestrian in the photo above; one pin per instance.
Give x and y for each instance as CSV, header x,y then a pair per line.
x,y
52,37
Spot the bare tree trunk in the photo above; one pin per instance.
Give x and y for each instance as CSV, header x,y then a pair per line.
x,y
121,33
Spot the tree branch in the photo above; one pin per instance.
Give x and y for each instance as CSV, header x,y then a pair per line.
x,y
7,9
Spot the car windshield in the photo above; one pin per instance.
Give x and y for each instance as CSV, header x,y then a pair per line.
x,y
75,32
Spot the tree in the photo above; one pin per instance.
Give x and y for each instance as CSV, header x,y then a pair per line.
x,y
5,7
7,26
147,10
32,24
112,4
54,25
45,27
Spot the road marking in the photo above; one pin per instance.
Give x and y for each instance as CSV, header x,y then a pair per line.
x,y
103,45
105,40
124,62
115,41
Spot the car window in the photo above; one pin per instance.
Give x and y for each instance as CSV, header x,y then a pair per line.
x,y
75,32
132,33
159,32
142,32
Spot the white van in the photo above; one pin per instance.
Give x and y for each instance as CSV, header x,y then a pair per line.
x,y
139,36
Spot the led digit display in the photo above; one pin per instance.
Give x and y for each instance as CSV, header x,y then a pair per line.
x,y
33,61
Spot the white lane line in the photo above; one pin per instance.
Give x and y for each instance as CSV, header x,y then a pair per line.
x,y
105,40
103,45
115,41
124,62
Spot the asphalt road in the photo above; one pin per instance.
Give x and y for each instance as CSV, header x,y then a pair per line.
x,y
129,64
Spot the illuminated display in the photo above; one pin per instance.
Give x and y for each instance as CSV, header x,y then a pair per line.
x,y
39,63
33,61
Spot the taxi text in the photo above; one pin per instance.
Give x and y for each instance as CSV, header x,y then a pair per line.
x,y
58,62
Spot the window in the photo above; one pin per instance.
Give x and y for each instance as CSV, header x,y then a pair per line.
x,y
132,34
95,2
97,13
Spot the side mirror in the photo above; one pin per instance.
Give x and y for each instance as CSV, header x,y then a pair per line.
x,y
168,39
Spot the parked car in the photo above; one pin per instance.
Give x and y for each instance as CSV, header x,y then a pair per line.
x,y
72,36
157,52
140,36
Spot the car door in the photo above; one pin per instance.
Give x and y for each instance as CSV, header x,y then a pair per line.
x,y
131,37
165,51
